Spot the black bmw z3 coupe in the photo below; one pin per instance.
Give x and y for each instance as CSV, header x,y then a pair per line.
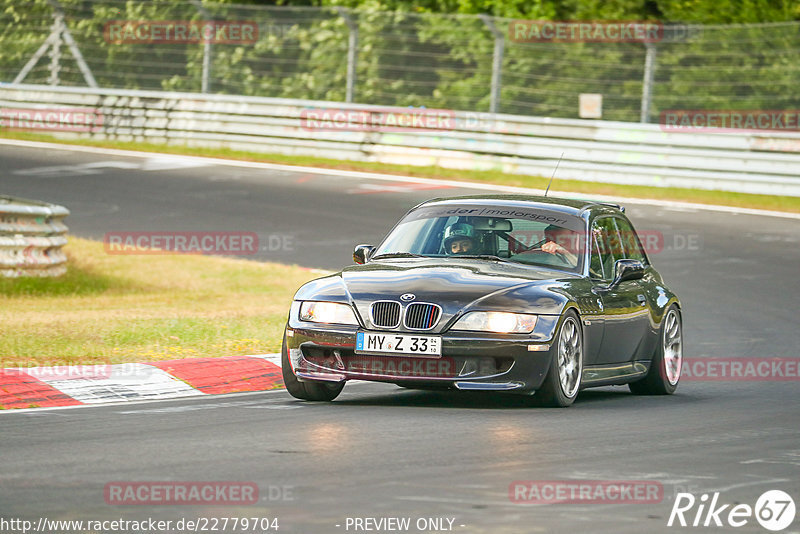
x,y
518,294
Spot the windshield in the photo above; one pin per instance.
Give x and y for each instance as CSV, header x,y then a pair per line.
x,y
523,235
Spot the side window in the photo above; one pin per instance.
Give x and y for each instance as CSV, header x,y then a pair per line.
x,y
630,241
609,244
596,261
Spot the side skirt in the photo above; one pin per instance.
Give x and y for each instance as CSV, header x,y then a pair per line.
x,y
609,375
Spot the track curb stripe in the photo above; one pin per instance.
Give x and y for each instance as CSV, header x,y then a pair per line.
x,y
21,390
225,375
63,386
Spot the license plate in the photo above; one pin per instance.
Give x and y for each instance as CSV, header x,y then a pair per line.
x,y
426,346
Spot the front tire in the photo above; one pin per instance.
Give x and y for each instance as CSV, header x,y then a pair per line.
x,y
665,369
311,390
563,380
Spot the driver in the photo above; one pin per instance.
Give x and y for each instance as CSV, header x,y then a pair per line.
x,y
556,238
459,238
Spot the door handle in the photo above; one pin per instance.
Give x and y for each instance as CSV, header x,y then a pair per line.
x,y
642,300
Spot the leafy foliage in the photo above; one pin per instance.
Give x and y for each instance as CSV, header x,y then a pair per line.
x,y
434,53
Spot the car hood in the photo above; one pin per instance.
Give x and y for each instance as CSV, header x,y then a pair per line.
x,y
456,285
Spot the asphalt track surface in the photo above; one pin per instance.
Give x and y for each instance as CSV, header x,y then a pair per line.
x,y
380,451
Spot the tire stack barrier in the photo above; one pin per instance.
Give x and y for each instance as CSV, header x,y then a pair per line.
x,y
32,234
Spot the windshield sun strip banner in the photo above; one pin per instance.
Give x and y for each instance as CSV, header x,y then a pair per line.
x,y
563,220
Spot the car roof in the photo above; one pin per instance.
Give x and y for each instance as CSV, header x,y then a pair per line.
x,y
568,206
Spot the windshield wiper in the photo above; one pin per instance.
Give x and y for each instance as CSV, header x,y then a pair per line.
x,y
396,255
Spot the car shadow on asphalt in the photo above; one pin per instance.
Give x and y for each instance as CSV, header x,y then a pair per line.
x,y
601,398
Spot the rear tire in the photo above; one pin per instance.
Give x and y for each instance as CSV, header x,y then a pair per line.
x,y
665,369
563,380
311,390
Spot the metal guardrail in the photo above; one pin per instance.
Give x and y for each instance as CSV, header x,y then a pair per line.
x,y
31,236
600,151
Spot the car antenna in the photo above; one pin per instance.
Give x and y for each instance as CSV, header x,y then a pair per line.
x,y
554,174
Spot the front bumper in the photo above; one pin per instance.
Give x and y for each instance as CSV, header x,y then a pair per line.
x,y
469,360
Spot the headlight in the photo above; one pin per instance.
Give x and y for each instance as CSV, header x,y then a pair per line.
x,y
327,312
508,323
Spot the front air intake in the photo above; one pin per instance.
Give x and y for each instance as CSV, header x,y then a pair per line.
x,y
385,313
422,316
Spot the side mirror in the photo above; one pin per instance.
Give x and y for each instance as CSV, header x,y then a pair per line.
x,y
362,253
625,270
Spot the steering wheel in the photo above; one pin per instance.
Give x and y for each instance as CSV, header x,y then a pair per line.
x,y
538,248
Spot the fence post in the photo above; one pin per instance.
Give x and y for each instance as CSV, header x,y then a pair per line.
x,y
352,52
647,82
55,50
205,83
497,62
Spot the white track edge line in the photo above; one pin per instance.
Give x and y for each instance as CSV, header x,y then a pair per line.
x,y
395,177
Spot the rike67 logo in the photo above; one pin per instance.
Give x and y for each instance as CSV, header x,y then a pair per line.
x,y
774,510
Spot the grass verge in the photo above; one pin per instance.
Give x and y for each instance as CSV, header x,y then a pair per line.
x,y
118,309
724,198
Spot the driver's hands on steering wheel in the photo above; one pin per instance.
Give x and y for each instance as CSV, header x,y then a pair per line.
x,y
551,247
554,248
